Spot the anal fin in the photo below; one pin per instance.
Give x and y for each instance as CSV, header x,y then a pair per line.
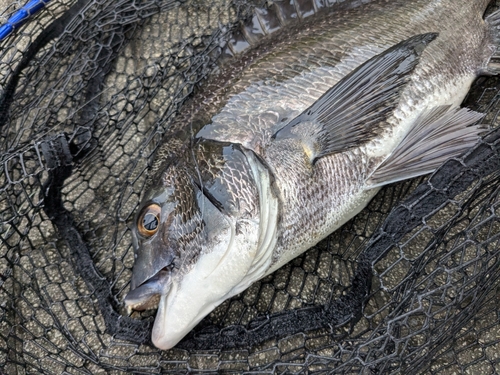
x,y
437,135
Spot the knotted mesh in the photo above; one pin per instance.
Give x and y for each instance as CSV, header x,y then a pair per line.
x,y
410,285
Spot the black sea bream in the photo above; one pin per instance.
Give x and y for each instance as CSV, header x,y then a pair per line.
x,y
293,138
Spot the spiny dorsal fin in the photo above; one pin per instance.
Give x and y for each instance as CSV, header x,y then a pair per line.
x,y
437,135
269,19
493,21
355,109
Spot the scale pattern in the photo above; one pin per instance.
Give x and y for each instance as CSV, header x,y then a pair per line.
x,y
89,88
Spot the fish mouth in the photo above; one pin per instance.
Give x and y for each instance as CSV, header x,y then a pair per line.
x,y
147,295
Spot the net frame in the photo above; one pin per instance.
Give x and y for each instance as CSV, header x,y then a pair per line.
x,y
411,289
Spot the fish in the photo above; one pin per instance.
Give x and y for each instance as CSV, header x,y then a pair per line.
x,y
291,139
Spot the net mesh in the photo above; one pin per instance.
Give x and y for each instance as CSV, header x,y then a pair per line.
x,y
410,285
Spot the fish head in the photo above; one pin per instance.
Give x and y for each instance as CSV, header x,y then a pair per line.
x,y
198,240
166,225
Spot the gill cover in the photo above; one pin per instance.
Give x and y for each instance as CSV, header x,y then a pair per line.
x,y
227,251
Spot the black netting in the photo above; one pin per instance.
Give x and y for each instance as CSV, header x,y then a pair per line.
x,y
87,91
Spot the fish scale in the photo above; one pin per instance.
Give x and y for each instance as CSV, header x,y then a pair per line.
x,y
281,64
312,116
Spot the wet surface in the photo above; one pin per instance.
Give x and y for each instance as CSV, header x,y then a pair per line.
x,y
434,295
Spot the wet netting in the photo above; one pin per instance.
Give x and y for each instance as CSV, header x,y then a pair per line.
x,y
88,87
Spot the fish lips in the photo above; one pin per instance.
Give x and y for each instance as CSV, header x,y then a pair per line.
x,y
147,295
151,256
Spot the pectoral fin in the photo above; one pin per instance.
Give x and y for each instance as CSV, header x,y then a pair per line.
x,y
356,108
436,135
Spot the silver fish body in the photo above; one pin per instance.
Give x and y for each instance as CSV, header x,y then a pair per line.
x,y
294,138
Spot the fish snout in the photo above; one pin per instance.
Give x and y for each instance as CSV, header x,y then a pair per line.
x,y
147,295
150,258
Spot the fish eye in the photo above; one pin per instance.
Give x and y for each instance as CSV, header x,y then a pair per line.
x,y
149,221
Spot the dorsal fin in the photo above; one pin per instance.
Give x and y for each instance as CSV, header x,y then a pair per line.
x,y
493,22
356,108
267,20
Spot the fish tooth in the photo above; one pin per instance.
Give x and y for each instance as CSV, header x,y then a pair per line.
x,y
294,136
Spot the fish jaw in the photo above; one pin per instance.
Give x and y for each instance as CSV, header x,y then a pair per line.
x,y
210,281
147,295
224,271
